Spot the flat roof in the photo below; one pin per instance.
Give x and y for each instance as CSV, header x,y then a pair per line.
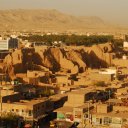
x,y
59,95
115,100
64,109
86,105
113,114
82,91
29,102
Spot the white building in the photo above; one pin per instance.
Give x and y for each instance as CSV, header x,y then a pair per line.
x,y
4,45
108,71
125,44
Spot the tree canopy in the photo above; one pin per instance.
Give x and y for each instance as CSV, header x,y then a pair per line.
x,y
70,39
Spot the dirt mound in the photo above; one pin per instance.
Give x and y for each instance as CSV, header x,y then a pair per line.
x,y
71,59
100,55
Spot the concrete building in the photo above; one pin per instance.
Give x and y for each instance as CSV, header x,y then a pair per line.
x,y
81,113
10,43
4,45
103,108
65,113
120,62
31,110
113,119
125,44
79,97
63,80
36,77
13,42
108,71
96,76
33,74
112,115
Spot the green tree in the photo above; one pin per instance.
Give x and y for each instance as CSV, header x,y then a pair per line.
x,y
100,83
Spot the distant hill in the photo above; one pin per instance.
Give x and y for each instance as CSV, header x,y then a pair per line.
x,y
50,20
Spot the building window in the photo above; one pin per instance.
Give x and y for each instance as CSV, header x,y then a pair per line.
x,y
116,120
86,116
17,110
12,110
124,120
98,120
106,120
30,112
110,120
78,114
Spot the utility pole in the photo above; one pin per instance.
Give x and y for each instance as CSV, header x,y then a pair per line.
x,y
0,102
88,114
109,96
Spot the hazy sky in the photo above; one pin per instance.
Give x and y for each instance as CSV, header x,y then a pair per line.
x,y
110,10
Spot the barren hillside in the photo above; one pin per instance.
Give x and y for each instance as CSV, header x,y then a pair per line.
x,y
46,20
69,59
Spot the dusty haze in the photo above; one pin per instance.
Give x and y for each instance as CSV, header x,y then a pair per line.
x,y
52,20
114,11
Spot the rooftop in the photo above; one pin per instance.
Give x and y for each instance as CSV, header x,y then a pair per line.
x,y
29,102
115,101
82,91
86,105
65,109
113,114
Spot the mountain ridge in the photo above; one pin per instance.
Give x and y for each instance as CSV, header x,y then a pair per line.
x,y
46,20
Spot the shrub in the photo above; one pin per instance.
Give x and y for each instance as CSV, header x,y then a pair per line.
x,y
100,84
